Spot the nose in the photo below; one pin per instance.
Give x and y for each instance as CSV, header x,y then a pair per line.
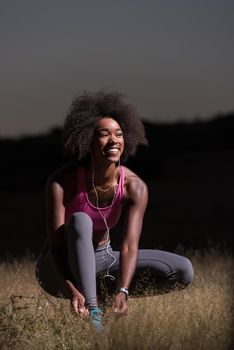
x,y
113,139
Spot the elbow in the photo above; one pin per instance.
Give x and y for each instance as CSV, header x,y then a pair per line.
x,y
129,249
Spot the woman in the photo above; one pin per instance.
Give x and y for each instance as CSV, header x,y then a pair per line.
x,y
85,200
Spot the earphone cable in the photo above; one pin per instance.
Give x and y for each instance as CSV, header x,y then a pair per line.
x,y
104,219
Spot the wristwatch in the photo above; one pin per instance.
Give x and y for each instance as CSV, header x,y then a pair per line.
x,y
125,291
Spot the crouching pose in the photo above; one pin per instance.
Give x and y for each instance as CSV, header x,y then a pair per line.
x,y
86,198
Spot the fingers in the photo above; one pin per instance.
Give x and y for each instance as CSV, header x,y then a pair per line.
x,y
120,307
85,313
81,307
77,305
74,306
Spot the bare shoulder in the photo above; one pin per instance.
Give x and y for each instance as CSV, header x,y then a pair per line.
x,y
135,188
61,177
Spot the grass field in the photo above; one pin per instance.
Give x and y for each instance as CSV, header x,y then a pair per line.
x,y
199,317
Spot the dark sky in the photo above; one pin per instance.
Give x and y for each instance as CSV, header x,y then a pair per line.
x,y
174,59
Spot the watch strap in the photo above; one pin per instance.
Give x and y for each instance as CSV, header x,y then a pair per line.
x,y
125,291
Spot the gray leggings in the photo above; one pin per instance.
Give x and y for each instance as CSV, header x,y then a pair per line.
x,y
86,265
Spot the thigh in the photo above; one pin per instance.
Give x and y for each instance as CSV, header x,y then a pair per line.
x,y
107,258
169,265
161,271
162,262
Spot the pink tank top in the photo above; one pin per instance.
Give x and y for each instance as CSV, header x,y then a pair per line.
x,y
81,203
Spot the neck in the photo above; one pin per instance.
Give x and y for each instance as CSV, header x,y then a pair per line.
x,y
102,174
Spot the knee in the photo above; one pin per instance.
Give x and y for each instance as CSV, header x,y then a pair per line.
x,y
79,218
185,272
80,223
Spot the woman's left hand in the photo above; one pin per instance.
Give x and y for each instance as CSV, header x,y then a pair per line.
x,y
120,303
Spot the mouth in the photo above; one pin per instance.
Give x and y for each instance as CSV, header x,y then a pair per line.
x,y
113,151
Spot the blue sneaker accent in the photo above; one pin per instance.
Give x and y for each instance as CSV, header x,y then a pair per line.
x,y
95,316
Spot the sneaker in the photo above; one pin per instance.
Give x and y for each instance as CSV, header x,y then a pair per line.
x,y
95,316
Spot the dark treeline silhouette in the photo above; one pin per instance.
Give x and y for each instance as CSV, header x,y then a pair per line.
x,y
188,167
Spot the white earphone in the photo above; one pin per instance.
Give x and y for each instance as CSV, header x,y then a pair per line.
x,y
104,219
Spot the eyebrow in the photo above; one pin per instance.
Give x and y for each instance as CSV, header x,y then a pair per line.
x,y
106,129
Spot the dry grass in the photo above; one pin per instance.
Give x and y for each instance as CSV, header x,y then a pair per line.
x,y
199,317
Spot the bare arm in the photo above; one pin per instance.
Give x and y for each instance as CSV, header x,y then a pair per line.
x,y
55,226
137,202
132,230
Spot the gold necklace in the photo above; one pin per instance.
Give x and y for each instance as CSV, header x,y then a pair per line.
x,y
100,189
113,185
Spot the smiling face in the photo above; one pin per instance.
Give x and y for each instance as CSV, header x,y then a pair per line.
x,y
108,141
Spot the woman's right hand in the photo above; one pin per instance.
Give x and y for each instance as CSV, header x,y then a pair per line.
x,y
77,304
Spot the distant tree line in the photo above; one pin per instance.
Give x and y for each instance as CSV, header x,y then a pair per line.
x,y
26,162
